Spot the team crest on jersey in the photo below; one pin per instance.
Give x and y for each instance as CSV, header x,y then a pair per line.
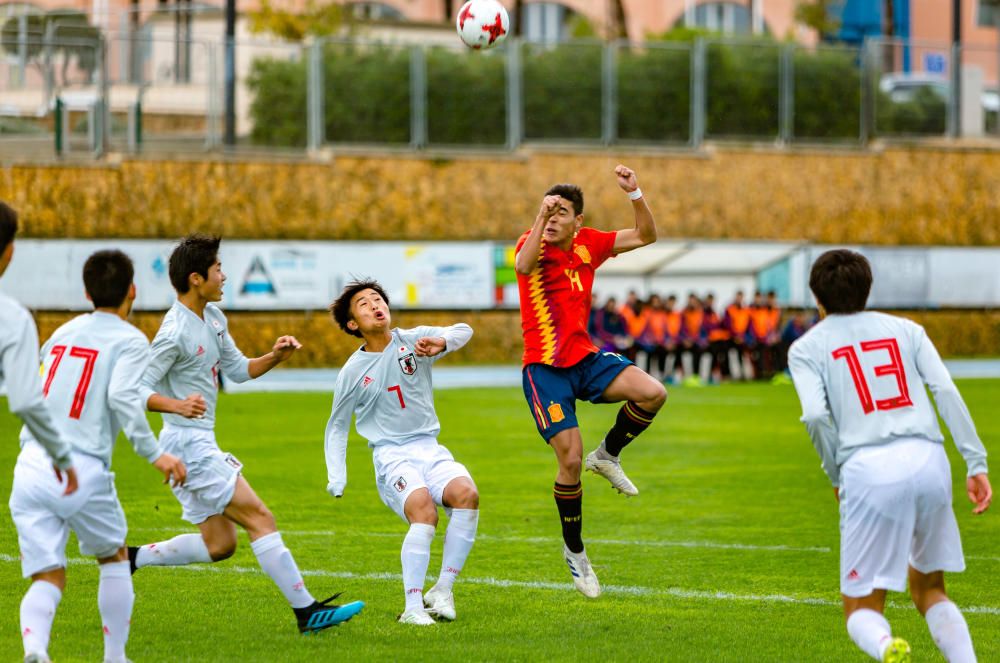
x,y
583,253
399,484
408,364
555,413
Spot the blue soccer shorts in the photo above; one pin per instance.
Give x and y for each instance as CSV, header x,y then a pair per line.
x,y
552,392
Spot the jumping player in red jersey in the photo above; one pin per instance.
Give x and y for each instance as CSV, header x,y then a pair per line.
x,y
555,266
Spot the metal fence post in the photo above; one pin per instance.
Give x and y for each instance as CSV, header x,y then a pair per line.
x,y
212,137
102,124
868,98
954,120
418,98
58,117
22,50
698,93
515,107
315,123
786,94
609,93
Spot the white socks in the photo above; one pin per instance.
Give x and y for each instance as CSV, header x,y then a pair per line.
x,y
38,609
178,551
458,540
276,561
415,556
114,600
870,631
950,632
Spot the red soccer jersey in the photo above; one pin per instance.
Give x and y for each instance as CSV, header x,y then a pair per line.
x,y
555,299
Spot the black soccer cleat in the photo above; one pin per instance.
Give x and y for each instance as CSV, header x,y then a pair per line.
x,y
133,552
322,614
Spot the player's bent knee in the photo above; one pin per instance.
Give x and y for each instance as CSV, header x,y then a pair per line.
x,y
220,550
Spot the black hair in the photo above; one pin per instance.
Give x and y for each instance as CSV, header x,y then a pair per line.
x,y
107,276
841,280
570,192
341,308
8,225
194,255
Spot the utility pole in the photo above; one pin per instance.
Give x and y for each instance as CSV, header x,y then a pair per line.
x,y
230,74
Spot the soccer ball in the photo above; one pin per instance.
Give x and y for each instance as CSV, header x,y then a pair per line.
x,y
482,24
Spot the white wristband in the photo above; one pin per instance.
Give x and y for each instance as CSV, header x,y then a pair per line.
x,y
635,195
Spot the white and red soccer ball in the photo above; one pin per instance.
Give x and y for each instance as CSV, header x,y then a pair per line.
x,y
482,24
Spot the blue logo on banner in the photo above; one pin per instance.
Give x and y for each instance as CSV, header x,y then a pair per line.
x,y
257,281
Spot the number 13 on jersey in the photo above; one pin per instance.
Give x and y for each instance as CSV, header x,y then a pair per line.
x,y
894,368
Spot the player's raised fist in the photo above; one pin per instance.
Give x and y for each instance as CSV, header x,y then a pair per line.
x,y
174,472
285,346
550,205
626,178
430,346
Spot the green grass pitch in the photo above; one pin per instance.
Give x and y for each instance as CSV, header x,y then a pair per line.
x,y
729,553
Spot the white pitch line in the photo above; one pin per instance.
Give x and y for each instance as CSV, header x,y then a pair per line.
x,y
544,539
628,590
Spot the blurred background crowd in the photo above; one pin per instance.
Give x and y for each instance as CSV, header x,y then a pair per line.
x,y
699,342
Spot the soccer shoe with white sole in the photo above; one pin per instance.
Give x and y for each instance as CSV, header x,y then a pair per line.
x,y
583,573
612,471
36,658
322,614
898,651
418,617
440,604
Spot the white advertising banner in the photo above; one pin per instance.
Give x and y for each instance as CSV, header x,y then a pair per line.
x,y
266,275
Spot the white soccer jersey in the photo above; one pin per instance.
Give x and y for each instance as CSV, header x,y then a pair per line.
x,y
19,371
861,378
188,355
92,367
392,394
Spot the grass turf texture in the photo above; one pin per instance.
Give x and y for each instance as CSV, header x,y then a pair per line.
x,y
721,472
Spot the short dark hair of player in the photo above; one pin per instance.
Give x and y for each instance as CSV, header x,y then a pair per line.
x,y
107,276
570,192
841,280
8,225
194,255
341,308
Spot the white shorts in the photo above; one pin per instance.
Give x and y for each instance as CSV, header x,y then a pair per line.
x,y
211,473
402,469
44,516
895,512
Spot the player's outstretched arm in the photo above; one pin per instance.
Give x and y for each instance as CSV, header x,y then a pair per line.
x,y
950,404
980,492
24,393
335,438
436,341
644,232
527,257
815,411
283,348
125,399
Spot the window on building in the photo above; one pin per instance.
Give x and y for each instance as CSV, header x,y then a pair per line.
x,y
551,21
375,11
726,17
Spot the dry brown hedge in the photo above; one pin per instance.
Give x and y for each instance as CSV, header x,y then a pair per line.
x,y
899,196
